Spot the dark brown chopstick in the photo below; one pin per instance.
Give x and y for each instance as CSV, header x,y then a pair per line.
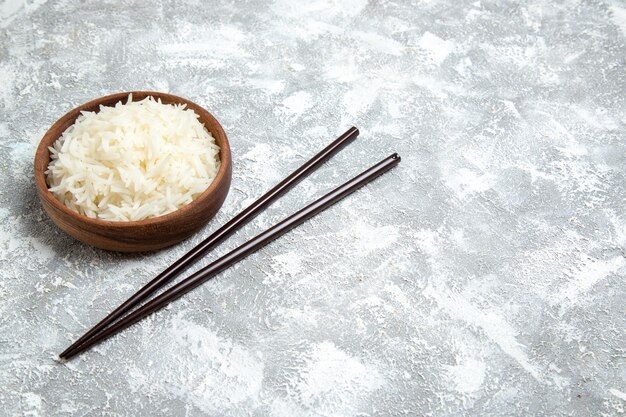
x,y
219,235
242,251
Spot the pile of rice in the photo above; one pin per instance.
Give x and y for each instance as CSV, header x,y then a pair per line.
x,y
132,161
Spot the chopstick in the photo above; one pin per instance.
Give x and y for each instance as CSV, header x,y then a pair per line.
x,y
219,235
242,251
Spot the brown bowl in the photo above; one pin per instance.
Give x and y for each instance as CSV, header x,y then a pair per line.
x,y
142,235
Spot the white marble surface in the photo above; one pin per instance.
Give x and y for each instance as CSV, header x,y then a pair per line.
x,y
483,276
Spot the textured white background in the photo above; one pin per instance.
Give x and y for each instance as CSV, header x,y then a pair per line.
x,y
483,276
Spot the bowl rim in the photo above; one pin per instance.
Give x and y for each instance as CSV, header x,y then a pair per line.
x,y
43,152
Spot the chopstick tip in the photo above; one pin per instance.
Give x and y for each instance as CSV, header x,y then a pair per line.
x,y
65,352
66,357
59,359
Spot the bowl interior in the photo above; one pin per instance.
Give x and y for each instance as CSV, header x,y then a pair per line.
x,y
42,156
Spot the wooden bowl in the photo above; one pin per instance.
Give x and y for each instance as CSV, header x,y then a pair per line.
x,y
142,235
